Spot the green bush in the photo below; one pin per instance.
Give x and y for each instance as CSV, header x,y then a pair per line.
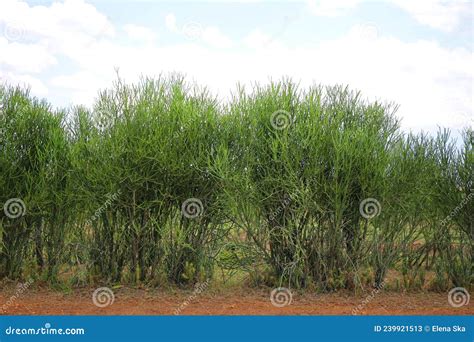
x,y
159,182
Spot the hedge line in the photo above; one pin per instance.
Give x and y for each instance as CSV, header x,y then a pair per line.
x,y
161,183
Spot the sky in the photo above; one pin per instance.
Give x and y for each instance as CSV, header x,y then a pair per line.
x,y
415,53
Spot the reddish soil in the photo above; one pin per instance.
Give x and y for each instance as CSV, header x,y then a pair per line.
x,y
128,301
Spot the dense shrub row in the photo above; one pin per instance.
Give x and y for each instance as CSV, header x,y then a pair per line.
x,y
160,183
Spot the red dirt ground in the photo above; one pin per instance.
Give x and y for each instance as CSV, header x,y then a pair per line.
x,y
130,301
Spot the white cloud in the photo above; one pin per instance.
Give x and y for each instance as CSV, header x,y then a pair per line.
x,y
57,23
432,84
331,8
256,39
18,56
140,33
170,22
78,81
33,39
197,32
214,37
438,14
37,86
78,85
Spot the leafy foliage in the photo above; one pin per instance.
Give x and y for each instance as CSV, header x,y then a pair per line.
x,y
277,177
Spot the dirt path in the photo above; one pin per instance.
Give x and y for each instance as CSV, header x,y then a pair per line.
x,y
238,302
